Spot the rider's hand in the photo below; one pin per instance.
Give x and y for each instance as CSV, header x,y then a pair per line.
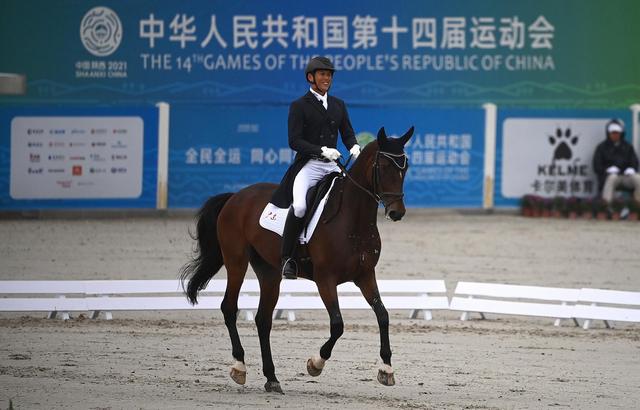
x,y
629,171
613,170
355,151
330,153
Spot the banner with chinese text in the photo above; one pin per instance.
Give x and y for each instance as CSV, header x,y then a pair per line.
x,y
223,149
573,53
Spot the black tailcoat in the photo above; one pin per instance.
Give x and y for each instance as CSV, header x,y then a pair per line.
x,y
310,128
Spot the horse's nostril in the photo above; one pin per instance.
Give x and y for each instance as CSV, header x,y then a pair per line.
x,y
395,215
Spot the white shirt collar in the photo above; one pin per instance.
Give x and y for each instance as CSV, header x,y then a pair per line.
x,y
321,98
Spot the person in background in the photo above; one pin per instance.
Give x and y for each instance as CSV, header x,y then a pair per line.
x,y
616,164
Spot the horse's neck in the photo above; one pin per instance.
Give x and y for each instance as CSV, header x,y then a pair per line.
x,y
359,204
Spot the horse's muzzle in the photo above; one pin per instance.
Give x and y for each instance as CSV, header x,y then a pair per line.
x,y
395,215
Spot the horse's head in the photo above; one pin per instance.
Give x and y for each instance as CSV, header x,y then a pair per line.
x,y
387,168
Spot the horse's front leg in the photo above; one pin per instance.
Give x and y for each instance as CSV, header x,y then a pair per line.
x,y
329,294
369,289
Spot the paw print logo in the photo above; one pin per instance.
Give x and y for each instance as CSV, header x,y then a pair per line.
x,y
563,141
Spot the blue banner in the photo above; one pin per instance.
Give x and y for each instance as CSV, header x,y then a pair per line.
x,y
218,149
445,154
215,149
425,52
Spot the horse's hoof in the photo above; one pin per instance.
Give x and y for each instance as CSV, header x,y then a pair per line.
x,y
385,378
313,370
238,376
273,387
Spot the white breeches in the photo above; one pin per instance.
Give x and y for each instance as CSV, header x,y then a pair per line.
x,y
309,175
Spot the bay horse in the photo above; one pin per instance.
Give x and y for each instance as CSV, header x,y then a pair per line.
x,y
346,248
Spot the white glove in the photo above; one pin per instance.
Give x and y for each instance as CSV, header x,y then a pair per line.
x,y
613,170
629,171
330,153
355,151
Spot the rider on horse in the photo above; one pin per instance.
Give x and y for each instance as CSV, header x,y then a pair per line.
x,y
314,122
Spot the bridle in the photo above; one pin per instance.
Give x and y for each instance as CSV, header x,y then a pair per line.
x,y
400,162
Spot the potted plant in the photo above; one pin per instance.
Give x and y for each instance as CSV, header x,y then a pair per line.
x,y
586,208
573,207
547,207
536,206
600,207
527,204
634,209
616,207
558,209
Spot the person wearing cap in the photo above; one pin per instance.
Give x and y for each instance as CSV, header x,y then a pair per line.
x,y
615,163
314,122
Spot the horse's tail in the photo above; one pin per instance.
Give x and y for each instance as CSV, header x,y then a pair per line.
x,y
207,258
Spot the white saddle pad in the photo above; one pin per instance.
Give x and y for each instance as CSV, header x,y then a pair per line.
x,y
273,218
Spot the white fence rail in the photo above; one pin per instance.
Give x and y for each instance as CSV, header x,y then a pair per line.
x,y
500,298
107,296
420,297
607,305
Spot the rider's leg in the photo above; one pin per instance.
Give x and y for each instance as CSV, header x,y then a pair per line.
x,y
293,224
309,175
292,229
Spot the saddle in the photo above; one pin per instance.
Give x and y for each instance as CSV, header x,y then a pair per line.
x,y
318,191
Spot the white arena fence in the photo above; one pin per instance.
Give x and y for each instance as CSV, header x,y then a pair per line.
x,y
107,296
558,303
498,298
420,297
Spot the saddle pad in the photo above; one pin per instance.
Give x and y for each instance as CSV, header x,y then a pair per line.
x,y
273,218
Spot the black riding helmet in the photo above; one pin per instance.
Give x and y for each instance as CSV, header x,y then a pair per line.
x,y
319,63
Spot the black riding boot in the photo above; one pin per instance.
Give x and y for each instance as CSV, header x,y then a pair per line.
x,y
292,230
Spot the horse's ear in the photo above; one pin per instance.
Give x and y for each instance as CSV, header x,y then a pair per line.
x,y
406,136
382,136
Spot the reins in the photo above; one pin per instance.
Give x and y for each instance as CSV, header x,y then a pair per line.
x,y
343,168
378,197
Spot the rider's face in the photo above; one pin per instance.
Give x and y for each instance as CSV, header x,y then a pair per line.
x,y
322,81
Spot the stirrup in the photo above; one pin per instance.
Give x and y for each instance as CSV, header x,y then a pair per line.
x,y
289,271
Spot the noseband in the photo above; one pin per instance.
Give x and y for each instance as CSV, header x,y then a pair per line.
x,y
400,161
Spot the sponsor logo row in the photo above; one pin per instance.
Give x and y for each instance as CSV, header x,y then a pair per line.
x,y
77,170
66,184
76,144
36,158
77,131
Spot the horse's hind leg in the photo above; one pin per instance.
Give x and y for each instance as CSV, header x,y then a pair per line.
x,y
269,292
236,269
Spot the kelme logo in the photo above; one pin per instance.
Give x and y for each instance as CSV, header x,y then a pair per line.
x,y
562,143
101,31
